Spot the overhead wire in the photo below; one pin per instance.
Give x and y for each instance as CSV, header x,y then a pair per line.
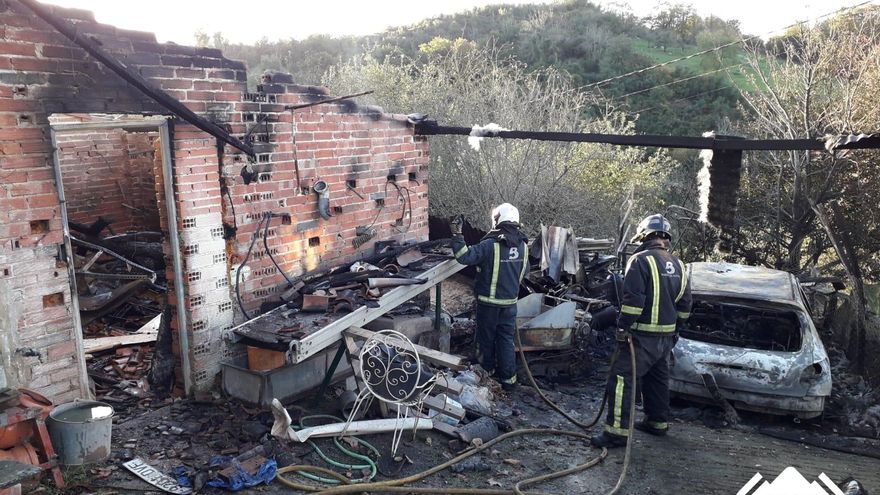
x,y
720,47
690,97
681,80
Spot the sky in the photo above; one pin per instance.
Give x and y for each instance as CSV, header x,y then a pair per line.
x,y
243,22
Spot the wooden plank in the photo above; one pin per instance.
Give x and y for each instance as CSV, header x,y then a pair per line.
x,y
147,333
448,386
432,356
440,405
105,343
330,334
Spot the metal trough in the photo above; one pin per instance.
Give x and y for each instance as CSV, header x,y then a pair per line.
x,y
543,327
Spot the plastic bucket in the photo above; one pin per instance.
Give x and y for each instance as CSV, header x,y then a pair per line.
x,y
81,431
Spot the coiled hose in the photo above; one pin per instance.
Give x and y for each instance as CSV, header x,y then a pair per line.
x,y
397,485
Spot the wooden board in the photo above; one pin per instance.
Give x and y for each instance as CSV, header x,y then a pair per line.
x,y
146,334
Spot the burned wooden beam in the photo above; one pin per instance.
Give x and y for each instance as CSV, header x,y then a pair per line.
x,y
431,128
88,44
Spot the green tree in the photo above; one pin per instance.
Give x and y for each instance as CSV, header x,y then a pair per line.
x,y
462,83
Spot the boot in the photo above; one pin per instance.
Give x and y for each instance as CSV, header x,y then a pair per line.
x,y
650,428
608,440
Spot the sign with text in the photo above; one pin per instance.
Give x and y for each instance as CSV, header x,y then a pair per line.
x,y
154,477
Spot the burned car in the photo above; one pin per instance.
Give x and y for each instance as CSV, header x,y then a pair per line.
x,y
750,341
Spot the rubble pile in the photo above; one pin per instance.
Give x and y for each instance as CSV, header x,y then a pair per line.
x,y
120,377
855,405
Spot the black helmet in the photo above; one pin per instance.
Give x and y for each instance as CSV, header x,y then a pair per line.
x,y
650,225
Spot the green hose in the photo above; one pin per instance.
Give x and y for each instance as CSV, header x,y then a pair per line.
x,y
335,480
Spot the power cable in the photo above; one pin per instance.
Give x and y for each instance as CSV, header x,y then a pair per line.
x,y
720,47
691,97
243,263
683,79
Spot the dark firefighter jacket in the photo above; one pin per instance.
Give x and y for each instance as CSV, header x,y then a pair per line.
x,y
656,290
501,259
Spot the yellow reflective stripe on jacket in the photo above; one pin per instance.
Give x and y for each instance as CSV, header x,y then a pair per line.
x,y
461,252
525,262
630,310
497,302
496,267
618,402
648,327
684,281
683,316
658,425
655,281
621,432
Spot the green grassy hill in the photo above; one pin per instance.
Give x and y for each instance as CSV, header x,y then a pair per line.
x,y
583,39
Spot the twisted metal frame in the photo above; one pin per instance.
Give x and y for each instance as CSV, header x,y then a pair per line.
x,y
391,370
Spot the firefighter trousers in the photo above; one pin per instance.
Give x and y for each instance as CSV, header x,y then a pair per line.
x,y
653,356
494,339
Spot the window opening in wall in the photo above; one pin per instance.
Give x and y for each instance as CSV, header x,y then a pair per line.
x,y
111,175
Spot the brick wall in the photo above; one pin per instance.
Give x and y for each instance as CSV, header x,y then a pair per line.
x,y
109,173
43,74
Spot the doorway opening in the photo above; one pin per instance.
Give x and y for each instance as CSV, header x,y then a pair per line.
x,y
110,174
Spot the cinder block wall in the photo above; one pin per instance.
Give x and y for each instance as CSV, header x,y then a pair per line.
x,y
42,73
109,173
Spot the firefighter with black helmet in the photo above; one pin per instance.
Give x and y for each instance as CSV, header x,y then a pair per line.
x,y
501,258
656,298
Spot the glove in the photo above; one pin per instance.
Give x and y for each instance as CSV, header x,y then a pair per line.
x,y
622,335
456,224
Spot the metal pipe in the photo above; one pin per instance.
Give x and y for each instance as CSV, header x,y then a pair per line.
x,y
323,191
375,283
177,261
71,271
438,305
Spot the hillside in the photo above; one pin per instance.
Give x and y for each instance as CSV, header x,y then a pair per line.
x,y
588,42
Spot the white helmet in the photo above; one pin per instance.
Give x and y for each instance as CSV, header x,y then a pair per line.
x,y
505,212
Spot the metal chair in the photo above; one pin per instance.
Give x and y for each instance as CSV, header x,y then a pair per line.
x,y
392,372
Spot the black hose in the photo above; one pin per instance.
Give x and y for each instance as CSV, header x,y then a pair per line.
x,y
244,262
269,251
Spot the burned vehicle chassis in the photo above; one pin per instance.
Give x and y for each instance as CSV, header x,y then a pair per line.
x,y
755,349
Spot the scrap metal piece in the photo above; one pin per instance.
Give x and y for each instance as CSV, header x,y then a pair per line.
x,y
376,283
712,387
314,303
154,477
542,327
100,250
410,256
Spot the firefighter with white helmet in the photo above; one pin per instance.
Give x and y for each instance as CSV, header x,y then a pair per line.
x,y
656,298
502,260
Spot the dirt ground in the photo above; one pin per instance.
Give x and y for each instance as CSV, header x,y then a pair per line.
x,y
699,456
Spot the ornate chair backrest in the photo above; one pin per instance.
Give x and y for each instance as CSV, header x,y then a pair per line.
x,y
392,371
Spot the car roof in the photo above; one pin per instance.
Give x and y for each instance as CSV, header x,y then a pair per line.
x,y
753,282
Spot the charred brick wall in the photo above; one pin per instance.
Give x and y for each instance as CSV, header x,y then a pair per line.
x,y
42,74
109,173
